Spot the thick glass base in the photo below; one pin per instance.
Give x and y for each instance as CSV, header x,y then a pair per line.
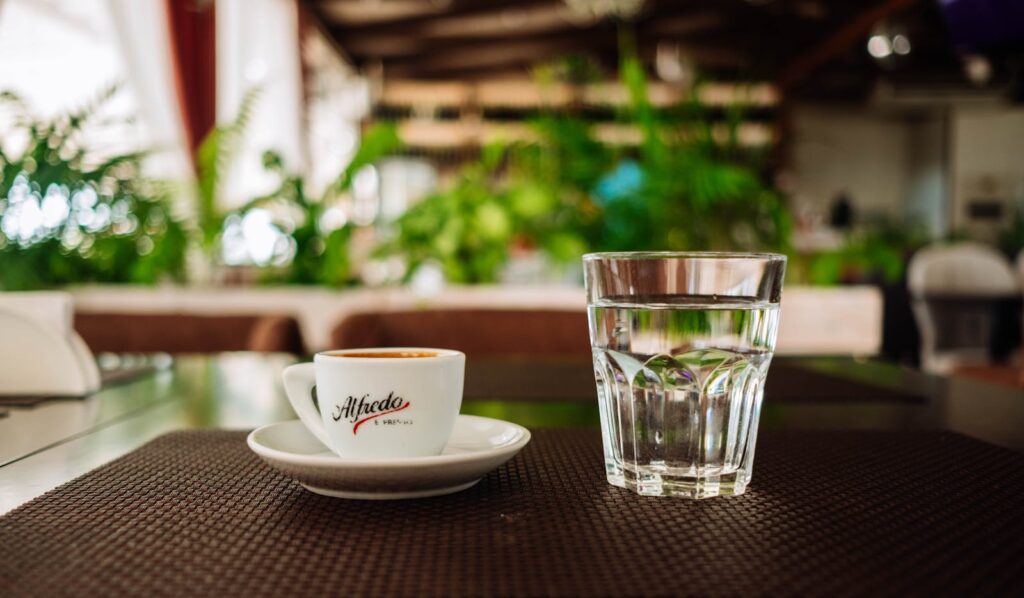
x,y
647,483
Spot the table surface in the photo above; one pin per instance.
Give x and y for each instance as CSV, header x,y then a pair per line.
x,y
52,442
833,513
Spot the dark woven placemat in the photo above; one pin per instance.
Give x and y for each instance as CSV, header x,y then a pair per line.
x,y
195,513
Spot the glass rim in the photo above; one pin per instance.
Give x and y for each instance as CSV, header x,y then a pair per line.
x,y
693,255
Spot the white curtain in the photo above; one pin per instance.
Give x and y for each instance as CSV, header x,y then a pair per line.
x,y
338,102
258,47
143,32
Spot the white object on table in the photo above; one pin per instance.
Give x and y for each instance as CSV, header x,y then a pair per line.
x,y
970,269
40,353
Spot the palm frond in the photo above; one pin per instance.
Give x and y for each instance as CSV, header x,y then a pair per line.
x,y
79,117
213,158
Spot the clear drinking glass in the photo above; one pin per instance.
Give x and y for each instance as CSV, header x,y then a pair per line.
x,y
682,343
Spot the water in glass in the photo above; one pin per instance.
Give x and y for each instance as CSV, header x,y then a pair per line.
x,y
680,381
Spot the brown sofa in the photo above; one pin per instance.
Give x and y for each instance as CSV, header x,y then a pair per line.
x,y
186,333
476,332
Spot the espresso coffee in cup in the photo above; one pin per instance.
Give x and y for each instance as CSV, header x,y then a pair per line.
x,y
379,403
383,354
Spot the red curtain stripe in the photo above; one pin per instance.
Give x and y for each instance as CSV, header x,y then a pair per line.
x,y
194,48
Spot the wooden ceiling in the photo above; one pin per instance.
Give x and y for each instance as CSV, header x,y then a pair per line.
x,y
791,42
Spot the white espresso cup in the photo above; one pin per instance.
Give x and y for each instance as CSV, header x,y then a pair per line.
x,y
379,403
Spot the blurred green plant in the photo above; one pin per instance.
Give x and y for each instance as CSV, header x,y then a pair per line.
x,y
466,229
564,192
567,192
70,215
321,256
695,193
877,254
214,156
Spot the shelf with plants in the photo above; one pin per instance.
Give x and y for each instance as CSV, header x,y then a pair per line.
x,y
683,182
450,121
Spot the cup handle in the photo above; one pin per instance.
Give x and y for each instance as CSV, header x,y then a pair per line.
x,y
299,380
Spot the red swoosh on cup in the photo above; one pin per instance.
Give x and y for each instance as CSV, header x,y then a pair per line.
x,y
363,421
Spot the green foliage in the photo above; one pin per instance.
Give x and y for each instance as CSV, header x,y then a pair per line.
x,y
878,254
378,141
321,257
694,194
466,229
213,157
98,220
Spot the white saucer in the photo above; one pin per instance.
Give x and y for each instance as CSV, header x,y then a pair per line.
x,y
477,446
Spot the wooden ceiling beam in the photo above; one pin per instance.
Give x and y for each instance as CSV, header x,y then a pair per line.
x,y
475,18
316,19
532,51
722,61
687,24
601,43
399,45
469,75
601,34
474,37
413,44
361,12
840,41
600,38
412,25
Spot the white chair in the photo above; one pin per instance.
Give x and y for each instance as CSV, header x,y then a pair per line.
x,y
956,292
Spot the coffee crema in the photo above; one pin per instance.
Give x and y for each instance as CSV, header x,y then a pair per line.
x,y
377,354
